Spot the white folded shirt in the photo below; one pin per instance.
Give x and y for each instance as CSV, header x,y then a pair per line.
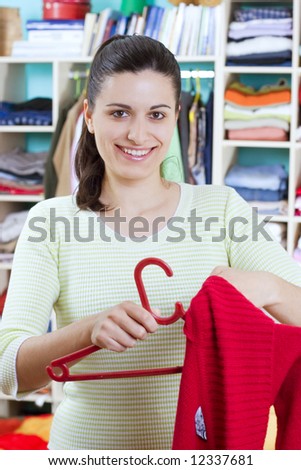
x,y
280,110
259,45
265,23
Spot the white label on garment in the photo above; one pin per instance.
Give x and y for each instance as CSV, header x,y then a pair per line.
x,y
200,424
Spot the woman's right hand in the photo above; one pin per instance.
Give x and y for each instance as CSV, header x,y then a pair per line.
x,y
121,326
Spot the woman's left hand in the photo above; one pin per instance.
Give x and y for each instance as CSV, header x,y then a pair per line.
x,y
257,286
265,290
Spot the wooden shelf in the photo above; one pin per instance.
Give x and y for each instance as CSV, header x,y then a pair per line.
x,y
257,70
256,143
20,198
5,266
18,129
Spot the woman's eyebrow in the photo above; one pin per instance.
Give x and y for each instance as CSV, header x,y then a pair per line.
x,y
120,105
126,106
160,106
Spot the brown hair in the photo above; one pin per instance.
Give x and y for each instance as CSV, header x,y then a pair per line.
x,y
121,53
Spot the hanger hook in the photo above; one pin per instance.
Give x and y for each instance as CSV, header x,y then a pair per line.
x,y
179,309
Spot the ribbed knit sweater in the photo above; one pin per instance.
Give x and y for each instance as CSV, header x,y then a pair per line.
x,y
238,362
78,278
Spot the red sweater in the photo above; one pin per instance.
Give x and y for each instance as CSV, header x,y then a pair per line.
x,y
238,362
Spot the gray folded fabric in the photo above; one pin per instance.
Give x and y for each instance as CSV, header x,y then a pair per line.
x,y
19,162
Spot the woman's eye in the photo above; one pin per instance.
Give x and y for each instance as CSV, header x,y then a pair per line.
x,y
157,115
120,113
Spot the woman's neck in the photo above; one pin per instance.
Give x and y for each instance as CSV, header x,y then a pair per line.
x,y
135,198
147,203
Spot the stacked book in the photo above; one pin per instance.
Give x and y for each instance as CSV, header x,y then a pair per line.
x,y
187,30
51,38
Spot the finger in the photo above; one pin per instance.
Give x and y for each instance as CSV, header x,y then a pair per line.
x,y
112,336
218,270
141,316
131,326
113,345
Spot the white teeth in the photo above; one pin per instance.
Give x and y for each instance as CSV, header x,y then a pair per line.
x,y
135,153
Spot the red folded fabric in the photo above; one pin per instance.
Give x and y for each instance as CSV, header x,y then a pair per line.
x,y
29,433
8,425
237,365
15,441
14,190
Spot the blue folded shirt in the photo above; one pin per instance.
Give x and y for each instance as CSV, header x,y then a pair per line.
x,y
271,177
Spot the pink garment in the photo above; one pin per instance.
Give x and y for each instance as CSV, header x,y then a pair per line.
x,y
263,133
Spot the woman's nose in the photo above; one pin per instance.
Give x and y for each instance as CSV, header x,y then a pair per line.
x,y
137,132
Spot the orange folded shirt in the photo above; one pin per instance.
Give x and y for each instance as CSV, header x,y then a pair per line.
x,y
258,100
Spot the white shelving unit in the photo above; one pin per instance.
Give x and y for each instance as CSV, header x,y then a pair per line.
x,y
13,87
225,151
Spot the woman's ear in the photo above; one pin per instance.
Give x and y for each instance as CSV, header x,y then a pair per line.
x,y
88,117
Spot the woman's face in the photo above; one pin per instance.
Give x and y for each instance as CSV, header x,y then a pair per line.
x,y
133,122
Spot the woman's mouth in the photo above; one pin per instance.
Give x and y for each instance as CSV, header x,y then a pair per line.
x,y
135,154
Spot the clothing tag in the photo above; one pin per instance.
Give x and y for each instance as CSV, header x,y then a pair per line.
x,y
200,427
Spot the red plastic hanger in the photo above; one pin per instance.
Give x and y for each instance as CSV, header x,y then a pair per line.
x,y
65,376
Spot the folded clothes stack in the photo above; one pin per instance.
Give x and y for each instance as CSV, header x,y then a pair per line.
x,y
35,112
262,114
260,36
22,172
263,186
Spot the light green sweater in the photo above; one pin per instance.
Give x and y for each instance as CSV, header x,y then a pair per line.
x,y
79,278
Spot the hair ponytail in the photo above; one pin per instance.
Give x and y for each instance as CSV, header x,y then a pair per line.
x,y
89,168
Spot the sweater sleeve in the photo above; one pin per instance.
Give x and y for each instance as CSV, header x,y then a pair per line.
x,y
250,244
33,290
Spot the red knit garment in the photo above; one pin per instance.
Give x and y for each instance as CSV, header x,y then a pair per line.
x,y
238,362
